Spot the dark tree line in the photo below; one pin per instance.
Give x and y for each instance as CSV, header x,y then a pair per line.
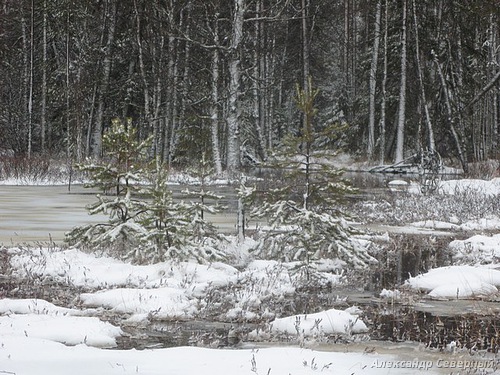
x,y
219,76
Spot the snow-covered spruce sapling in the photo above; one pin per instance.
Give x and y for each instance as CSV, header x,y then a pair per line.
x,y
304,221
123,161
145,223
166,223
119,171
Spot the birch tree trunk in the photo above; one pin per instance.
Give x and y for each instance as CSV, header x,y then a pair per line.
x,y
400,131
31,73
259,78
234,110
214,106
146,89
495,96
43,97
69,132
271,72
373,84
26,91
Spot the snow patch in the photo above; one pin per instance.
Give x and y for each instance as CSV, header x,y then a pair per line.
x,y
323,323
457,282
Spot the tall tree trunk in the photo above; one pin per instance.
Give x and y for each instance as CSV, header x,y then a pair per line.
x,y
384,92
104,84
158,90
450,116
259,78
174,105
373,84
345,45
168,128
145,89
459,100
214,106
69,133
43,97
430,133
186,83
271,74
400,131
495,95
234,110
30,84
305,46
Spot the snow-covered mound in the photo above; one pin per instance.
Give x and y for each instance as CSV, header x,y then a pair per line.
x,y
477,249
42,320
33,306
457,282
491,187
323,323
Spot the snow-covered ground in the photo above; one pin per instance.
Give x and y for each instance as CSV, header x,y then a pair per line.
x,y
35,356
38,337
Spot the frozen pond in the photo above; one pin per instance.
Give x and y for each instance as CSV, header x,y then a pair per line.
x,y
42,213
45,213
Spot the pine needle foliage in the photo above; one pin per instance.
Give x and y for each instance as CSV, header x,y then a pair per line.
x,y
166,223
145,224
120,171
123,162
305,223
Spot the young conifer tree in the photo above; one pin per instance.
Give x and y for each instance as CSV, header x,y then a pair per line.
x,y
145,224
121,171
166,222
305,223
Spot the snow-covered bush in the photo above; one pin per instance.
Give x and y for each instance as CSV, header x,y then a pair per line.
x,y
24,170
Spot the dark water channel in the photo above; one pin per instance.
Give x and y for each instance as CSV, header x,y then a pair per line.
x,y
433,325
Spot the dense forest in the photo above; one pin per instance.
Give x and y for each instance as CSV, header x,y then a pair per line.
x,y
220,76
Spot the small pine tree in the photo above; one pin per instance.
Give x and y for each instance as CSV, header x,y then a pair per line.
x,y
119,171
123,160
177,229
167,234
145,224
305,223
